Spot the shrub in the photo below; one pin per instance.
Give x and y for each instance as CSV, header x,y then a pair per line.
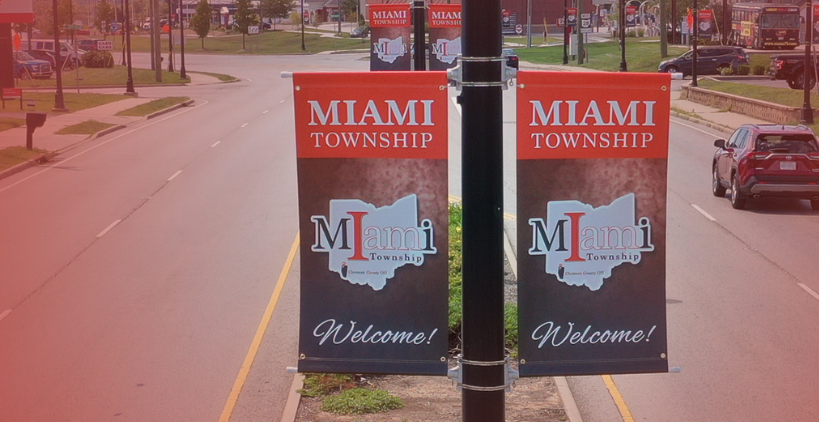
x,y
759,69
316,385
98,59
744,70
641,32
726,71
358,401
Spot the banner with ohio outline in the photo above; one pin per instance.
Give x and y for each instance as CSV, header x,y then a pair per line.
x,y
390,32
371,151
592,164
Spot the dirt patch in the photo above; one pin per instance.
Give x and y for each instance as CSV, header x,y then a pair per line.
x,y
436,399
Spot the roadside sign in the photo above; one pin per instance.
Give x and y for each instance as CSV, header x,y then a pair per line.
x,y
572,15
253,30
105,45
585,23
592,249
519,29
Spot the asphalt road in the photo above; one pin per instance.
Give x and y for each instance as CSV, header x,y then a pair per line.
x,y
136,270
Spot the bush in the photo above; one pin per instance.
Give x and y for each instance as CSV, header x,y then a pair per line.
x,y
744,70
98,59
359,401
759,69
641,32
317,385
726,71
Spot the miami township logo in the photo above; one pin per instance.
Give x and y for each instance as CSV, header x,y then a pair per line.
x,y
388,50
583,244
366,244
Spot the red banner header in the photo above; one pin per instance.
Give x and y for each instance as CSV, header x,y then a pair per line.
x,y
444,15
390,15
371,115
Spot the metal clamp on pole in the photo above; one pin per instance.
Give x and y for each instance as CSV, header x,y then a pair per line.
x,y
456,375
455,74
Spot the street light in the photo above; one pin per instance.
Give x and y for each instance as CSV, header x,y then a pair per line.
x,y
129,86
59,100
565,32
694,43
807,110
623,64
182,74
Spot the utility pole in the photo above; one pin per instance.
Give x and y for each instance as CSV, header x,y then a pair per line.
x,y
418,20
155,39
129,86
579,29
483,363
663,29
59,100
170,36
694,43
565,32
623,64
182,74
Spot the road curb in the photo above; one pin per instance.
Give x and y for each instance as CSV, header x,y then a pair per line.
x,y
699,121
40,159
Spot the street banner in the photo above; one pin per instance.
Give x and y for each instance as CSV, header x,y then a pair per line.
x,y
631,16
571,14
707,28
444,35
508,21
591,180
390,31
373,219
16,11
815,23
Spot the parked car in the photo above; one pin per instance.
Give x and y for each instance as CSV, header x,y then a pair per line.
x,y
511,57
49,56
767,161
48,45
27,67
360,32
791,68
710,61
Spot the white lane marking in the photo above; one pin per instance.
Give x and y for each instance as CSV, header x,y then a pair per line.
x,y
5,314
174,175
107,229
243,125
62,162
457,106
216,143
804,287
702,211
696,128
265,112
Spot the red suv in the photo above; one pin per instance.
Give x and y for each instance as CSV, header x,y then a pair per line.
x,y
767,161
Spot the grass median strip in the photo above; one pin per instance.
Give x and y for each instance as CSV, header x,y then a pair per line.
x,y
7,123
11,156
88,127
153,106
44,101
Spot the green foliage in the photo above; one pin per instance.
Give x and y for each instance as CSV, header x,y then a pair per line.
x,y
359,401
105,14
98,59
276,9
759,69
726,71
455,267
510,322
743,69
201,20
318,385
244,18
296,17
641,32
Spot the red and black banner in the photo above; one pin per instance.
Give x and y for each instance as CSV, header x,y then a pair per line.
x,y
707,26
444,35
631,16
372,173
390,32
592,180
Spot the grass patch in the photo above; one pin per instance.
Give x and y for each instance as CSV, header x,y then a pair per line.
x,y
115,76
88,127
11,156
7,123
641,56
319,385
44,102
153,106
358,401
784,96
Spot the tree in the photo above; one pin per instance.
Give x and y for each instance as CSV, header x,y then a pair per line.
x,y
276,9
244,18
65,12
201,20
105,14
350,8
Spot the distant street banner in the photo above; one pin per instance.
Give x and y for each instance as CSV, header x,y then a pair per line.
x,y
390,32
372,175
444,35
16,11
592,178
707,27
815,24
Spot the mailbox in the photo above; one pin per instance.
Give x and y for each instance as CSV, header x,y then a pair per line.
x,y
33,121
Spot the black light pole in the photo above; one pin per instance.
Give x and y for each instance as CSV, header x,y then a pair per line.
x,y
694,43
129,85
302,26
565,32
807,110
725,22
674,22
170,36
59,100
182,74
418,20
623,64
483,361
